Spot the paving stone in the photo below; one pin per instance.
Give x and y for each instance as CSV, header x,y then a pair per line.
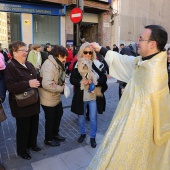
x,y
81,158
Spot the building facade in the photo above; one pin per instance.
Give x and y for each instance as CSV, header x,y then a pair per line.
x,y
130,17
48,21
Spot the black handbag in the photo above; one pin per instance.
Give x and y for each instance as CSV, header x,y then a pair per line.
x,y
2,114
27,98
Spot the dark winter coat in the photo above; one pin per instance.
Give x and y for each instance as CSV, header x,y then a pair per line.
x,y
129,50
77,105
17,81
44,56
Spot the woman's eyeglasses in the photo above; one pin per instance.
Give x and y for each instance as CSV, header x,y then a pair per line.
x,y
23,51
86,52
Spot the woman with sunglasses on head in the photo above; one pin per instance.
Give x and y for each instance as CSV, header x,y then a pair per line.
x,y
82,98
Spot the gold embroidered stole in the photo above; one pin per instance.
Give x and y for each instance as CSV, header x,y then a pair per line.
x,y
151,79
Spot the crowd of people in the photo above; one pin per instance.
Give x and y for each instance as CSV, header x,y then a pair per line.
x,y
139,134
45,71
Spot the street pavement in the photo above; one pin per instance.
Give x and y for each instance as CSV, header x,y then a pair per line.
x,y
70,155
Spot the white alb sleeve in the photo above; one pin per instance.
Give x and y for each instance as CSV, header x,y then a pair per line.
x,y
120,66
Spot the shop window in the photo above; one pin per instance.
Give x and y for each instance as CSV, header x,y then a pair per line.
x,y
15,26
46,29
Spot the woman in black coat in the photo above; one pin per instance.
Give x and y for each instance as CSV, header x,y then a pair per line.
x,y
20,75
79,102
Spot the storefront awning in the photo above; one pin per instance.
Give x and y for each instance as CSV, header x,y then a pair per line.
x,y
32,8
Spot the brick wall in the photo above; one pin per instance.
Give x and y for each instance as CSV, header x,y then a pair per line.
x,y
104,29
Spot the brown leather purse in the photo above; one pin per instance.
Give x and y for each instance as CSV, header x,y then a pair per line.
x,y
27,98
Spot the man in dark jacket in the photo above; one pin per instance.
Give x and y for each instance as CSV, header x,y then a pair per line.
x,y
130,50
115,48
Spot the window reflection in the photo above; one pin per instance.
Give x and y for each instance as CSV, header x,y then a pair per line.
x,y
46,29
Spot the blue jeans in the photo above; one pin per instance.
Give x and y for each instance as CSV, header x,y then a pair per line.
x,y
93,119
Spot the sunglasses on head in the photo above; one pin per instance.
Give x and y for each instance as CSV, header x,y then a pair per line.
x,y
86,52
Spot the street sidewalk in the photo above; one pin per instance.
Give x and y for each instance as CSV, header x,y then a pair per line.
x,y
70,155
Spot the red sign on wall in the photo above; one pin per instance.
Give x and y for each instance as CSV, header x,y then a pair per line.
x,y
76,15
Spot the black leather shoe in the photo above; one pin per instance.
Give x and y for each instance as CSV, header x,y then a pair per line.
x,y
93,142
81,138
25,156
60,137
52,143
36,149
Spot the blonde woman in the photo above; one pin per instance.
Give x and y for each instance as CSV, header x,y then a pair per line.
x,y
84,98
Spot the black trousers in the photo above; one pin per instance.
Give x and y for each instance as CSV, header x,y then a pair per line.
x,y
27,131
53,117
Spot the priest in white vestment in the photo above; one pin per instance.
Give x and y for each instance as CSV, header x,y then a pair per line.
x,y
138,137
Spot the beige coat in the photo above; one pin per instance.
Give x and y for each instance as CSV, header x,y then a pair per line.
x,y
51,73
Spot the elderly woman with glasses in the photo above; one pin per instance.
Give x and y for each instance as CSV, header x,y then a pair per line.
x,y
83,97
20,76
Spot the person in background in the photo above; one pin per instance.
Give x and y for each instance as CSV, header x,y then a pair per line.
x,y
20,75
47,48
35,58
68,59
108,47
139,134
4,54
115,48
2,87
8,54
82,98
30,47
121,46
130,50
44,55
53,82
71,66
168,66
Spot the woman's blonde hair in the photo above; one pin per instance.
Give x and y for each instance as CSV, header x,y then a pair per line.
x,y
83,46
